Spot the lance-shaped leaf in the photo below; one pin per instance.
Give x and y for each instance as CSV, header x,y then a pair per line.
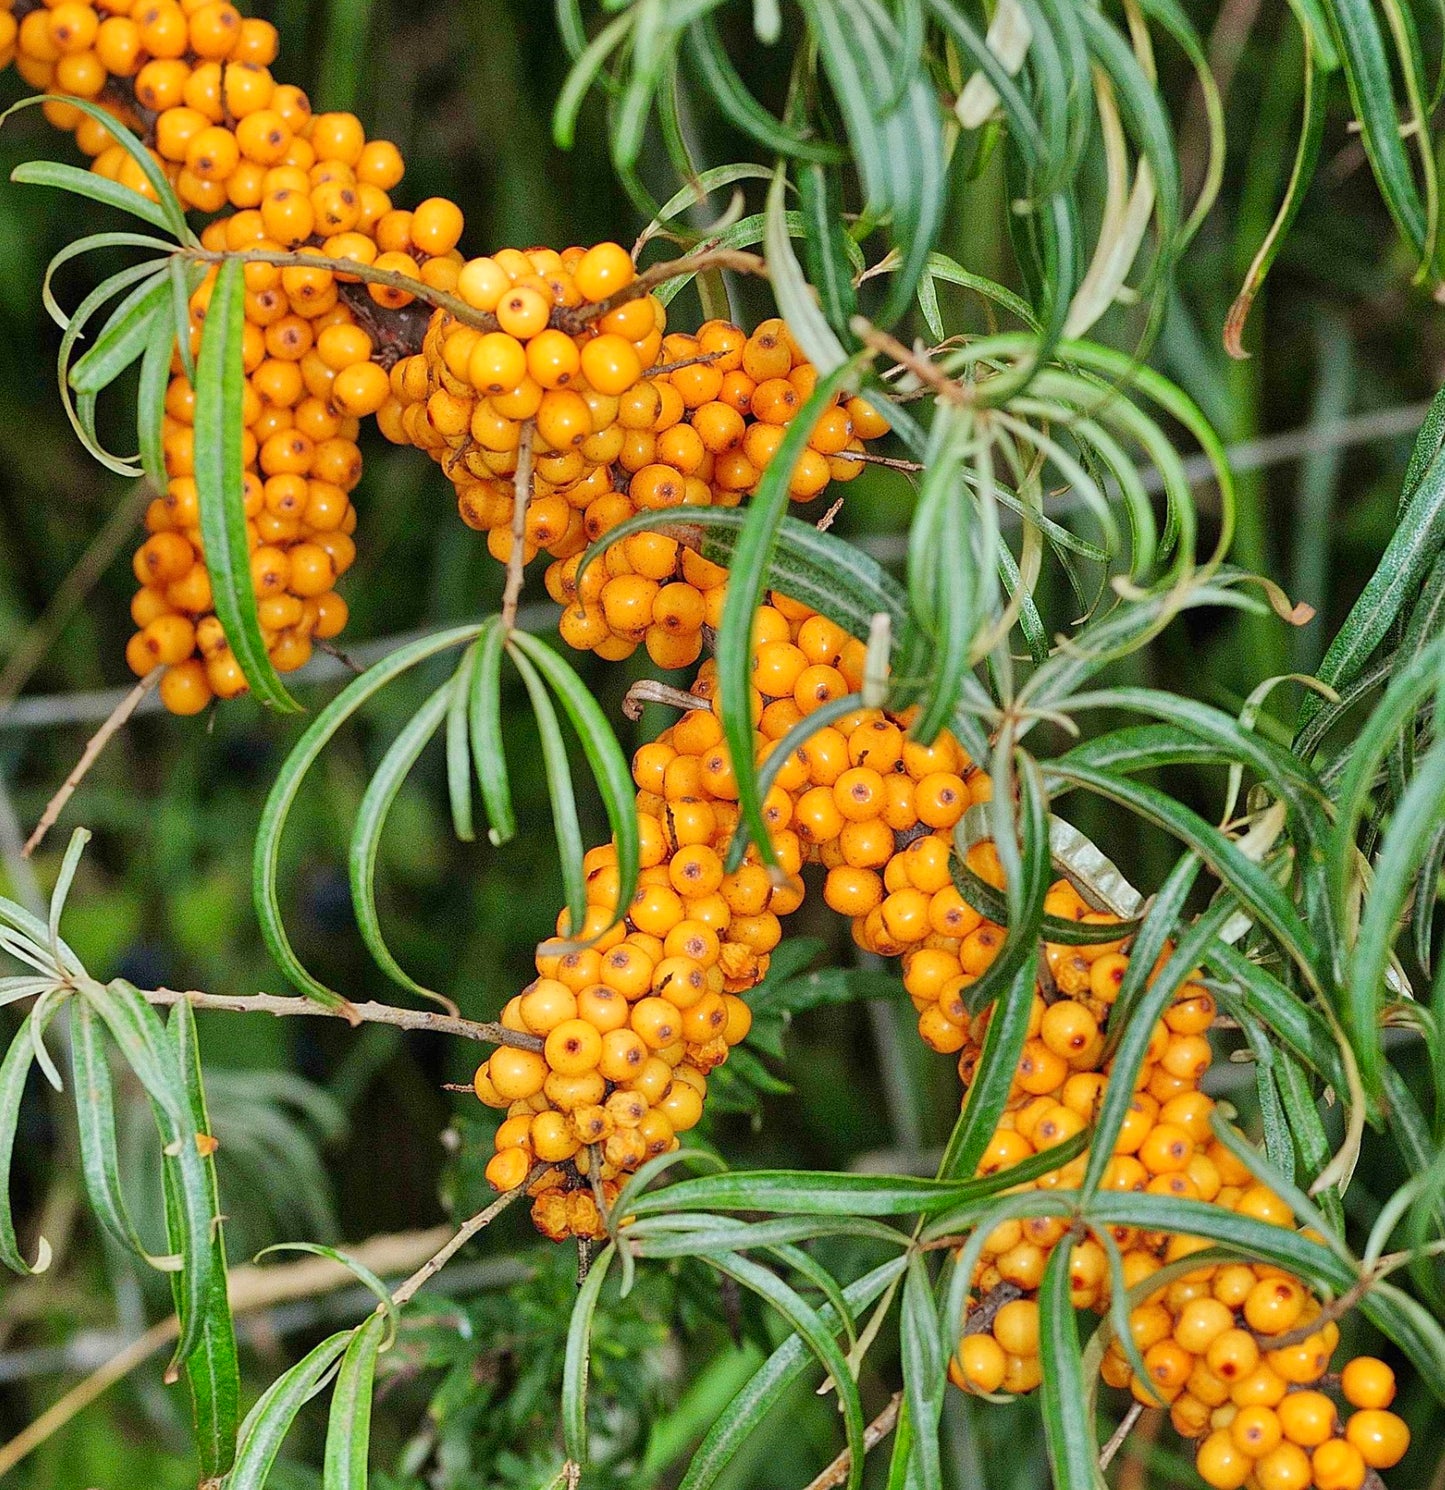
x,y
220,482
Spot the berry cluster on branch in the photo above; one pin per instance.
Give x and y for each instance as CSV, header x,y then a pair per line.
x,y
633,1022
623,417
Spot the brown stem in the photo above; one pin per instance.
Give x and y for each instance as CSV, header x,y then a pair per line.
x,y
576,318
88,757
921,368
521,499
368,1013
1117,1437
1337,1308
650,691
435,1263
867,457
873,1435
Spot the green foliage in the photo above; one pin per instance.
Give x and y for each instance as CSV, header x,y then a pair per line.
x,y
1058,565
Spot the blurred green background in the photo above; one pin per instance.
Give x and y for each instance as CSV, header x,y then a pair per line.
x,y
333,1134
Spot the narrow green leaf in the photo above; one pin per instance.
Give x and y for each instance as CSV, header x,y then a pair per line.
x,y
85,183
818,1335
489,754
1413,548
707,52
95,1124
348,1429
755,546
212,1370
191,1216
172,216
183,286
219,476
736,1426
155,374
558,766
577,1362
583,74
605,756
925,1370
459,761
265,860
1367,73
376,802
124,338
14,1070
1068,1420
268,1423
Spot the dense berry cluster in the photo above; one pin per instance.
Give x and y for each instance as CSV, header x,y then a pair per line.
x,y
1256,1411
620,417
625,419
633,1022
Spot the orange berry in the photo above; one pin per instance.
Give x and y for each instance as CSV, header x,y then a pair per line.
x,y
1381,1437
1367,1382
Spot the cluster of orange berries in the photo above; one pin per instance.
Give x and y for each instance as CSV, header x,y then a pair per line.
x,y
624,418
631,1023
621,417
193,79
1253,1408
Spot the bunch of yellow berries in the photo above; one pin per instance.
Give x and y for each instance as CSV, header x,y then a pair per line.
x,y
621,417
1237,1352
624,418
631,1023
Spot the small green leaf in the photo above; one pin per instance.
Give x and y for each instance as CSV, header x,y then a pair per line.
x,y
376,802
270,1420
578,1358
348,1430
265,859
739,1422
755,546
459,762
1068,1421
558,767
925,1368
212,1370
95,1126
14,1070
605,756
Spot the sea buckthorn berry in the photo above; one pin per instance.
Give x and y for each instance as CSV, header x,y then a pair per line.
x,y
602,271
1256,1430
979,1364
1381,1437
1274,1305
436,224
1367,1382
1016,1327
1338,1465
1221,1463
1307,1418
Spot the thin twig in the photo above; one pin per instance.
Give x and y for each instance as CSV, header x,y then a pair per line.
x,y
1117,1437
648,691
830,516
435,1263
368,1013
873,1435
521,499
867,457
574,320
880,341
88,757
